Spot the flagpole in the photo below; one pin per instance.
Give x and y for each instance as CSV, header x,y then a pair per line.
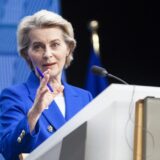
x,y
93,27
94,84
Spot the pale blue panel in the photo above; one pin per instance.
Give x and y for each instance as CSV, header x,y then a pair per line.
x,y
32,6
10,11
55,6
21,70
8,39
6,70
13,70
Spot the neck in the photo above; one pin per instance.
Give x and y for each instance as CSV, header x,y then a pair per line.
x,y
54,79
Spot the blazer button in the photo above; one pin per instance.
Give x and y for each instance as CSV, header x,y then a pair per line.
x,y
23,133
19,139
50,129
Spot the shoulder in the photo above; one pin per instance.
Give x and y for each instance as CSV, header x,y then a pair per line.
x,y
15,94
19,89
13,98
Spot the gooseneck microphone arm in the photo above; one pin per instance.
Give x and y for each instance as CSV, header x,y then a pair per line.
x,y
103,72
117,78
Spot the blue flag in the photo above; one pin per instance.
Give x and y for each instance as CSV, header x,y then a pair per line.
x,y
94,84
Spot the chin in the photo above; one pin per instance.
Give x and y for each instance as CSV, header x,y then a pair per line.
x,y
55,74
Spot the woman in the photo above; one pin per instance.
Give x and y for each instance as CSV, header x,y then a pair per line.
x,y
33,111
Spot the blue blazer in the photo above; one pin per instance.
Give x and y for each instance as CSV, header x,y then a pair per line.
x,y
15,103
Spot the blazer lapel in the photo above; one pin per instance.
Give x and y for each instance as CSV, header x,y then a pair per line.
x,y
72,101
54,115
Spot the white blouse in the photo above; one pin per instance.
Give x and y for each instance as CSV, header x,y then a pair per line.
x,y
60,101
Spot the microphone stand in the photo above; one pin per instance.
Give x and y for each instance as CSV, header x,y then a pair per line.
x,y
117,78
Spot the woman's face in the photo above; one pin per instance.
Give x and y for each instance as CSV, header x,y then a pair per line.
x,y
48,50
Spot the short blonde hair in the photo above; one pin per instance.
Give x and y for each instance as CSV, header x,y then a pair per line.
x,y
44,19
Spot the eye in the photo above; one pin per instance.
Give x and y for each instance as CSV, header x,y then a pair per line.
x,y
38,47
55,44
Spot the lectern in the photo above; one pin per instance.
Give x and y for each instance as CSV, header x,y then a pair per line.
x,y
103,130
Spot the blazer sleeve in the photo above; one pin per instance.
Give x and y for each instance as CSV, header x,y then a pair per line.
x,y
90,96
15,137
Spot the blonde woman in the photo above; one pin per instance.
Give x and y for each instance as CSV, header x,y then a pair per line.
x,y
33,111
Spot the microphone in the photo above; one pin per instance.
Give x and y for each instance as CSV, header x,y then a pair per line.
x,y
103,73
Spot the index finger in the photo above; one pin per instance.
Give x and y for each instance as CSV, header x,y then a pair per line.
x,y
44,81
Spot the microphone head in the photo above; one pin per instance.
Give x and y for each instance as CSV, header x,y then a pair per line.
x,y
99,71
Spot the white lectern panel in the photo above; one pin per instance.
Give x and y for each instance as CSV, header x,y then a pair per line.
x,y
109,133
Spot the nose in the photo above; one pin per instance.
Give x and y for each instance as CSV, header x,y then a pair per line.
x,y
47,53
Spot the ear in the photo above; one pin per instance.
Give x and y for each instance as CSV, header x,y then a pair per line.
x,y
68,53
24,53
69,50
27,57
